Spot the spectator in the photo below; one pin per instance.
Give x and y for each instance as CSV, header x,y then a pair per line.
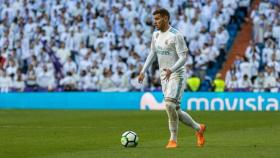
x,y
273,63
106,83
270,82
5,81
193,83
94,79
233,71
69,82
245,83
268,51
245,68
46,79
31,78
218,84
255,65
276,30
84,81
222,37
120,81
252,49
69,66
11,68
63,53
232,84
259,83
18,84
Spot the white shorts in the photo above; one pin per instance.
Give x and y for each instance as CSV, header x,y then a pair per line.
x,y
174,88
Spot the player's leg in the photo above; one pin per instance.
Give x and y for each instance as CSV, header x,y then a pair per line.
x,y
188,120
173,119
185,118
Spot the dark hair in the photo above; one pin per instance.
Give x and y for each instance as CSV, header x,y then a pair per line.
x,y
162,12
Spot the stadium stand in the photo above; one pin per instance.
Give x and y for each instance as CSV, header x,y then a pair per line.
x,y
99,45
257,69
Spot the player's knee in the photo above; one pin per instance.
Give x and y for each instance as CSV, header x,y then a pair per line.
x,y
170,106
171,111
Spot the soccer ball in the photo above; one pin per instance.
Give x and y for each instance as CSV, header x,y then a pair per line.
x,y
129,139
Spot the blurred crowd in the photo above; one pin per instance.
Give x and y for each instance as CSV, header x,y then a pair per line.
x,y
259,69
101,45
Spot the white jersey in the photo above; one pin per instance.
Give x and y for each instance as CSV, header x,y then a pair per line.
x,y
168,47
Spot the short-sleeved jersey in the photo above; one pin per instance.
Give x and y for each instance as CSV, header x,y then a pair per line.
x,y
167,45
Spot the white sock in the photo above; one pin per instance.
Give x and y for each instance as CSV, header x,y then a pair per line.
x,y
173,120
187,120
173,128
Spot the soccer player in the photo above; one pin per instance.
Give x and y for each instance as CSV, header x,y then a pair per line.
x,y
169,47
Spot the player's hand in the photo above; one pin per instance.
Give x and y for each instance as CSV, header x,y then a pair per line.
x,y
141,77
168,73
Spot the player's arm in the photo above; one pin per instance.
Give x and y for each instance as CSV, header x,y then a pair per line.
x,y
182,51
180,62
150,59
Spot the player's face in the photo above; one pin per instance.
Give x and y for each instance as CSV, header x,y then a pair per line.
x,y
160,21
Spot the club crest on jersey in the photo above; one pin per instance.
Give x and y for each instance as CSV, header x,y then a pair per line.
x,y
166,42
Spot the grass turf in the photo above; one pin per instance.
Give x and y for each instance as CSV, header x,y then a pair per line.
x,y
90,134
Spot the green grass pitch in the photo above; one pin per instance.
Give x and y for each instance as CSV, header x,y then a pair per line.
x,y
96,134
